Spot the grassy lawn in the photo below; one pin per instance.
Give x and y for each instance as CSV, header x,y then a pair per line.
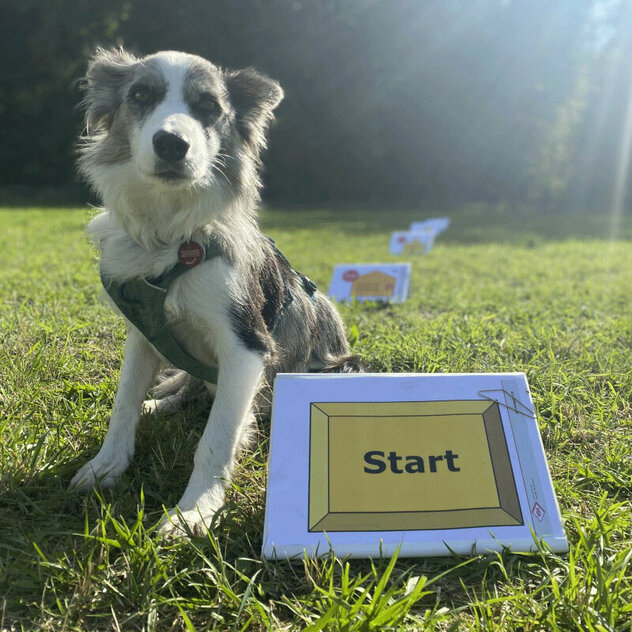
x,y
505,289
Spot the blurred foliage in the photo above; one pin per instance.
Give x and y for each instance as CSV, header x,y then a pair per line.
x,y
394,102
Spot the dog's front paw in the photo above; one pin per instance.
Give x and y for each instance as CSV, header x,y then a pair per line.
x,y
181,524
99,472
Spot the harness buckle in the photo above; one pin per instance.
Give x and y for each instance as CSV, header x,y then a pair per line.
x,y
164,290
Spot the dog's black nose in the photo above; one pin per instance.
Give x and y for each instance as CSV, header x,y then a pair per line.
x,y
170,147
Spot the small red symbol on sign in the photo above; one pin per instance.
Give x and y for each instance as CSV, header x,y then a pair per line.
x,y
401,239
538,512
350,275
190,254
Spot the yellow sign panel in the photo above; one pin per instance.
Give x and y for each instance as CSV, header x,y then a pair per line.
x,y
409,465
414,247
374,284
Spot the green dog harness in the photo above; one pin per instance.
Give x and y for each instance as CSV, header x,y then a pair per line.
x,y
142,302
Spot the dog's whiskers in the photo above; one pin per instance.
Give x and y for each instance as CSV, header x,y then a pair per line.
x,y
215,167
219,159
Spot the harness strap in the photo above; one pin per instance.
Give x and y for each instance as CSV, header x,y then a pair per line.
x,y
142,302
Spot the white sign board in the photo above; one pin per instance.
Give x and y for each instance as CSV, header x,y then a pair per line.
x,y
411,243
370,282
431,463
435,225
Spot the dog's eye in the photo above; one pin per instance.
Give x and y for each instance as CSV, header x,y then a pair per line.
x,y
141,94
208,103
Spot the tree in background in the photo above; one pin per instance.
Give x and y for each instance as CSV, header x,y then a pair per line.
x,y
396,102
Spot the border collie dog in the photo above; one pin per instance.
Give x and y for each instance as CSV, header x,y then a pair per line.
x,y
172,146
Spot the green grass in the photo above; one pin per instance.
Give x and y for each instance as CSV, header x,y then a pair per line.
x,y
505,289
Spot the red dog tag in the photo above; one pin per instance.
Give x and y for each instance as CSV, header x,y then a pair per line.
x,y
190,254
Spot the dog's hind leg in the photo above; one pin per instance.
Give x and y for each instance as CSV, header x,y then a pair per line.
x,y
230,418
140,363
175,390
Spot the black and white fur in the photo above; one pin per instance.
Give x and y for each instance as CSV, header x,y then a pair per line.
x,y
172,146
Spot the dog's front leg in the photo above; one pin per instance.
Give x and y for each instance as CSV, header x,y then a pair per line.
x,y
140,364
239,378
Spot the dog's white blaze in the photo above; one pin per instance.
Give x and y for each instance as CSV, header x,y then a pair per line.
x,y
173,115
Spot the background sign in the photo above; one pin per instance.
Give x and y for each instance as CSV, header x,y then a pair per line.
x,y
411,243
370,282
435,225
428,462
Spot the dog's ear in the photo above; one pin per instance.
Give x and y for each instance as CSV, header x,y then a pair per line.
x,y
105,77
254,97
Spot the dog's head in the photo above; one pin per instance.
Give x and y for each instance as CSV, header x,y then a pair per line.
x,y
174,121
